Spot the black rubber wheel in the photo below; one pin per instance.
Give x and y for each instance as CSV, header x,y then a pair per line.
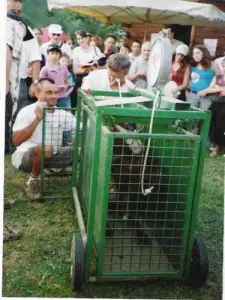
x,y
199,268
77,262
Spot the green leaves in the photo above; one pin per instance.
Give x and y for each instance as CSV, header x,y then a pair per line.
x,y
70,22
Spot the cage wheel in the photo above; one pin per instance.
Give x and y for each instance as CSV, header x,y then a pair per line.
x,y
77,262
199,267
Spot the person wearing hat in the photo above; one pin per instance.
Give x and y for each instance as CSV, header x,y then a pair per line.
x,y
180,71
54,32
56,72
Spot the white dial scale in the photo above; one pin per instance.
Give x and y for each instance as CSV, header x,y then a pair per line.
x,y
159,63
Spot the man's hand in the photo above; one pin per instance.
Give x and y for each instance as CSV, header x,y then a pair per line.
x,y
141,75
39,110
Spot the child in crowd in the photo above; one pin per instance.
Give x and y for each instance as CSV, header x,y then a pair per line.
x,y
57,72
65,61
125,49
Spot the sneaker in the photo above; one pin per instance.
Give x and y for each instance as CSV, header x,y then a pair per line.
x,y
32,189
10,234
9,203
53,171
214,153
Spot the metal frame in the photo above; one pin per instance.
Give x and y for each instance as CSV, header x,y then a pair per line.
x,y
141,113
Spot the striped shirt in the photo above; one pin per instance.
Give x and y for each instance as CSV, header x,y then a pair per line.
x,y
14,39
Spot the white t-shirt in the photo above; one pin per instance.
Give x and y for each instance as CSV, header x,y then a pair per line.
x,y
132,57
30,53
81,56
139,66
65,48
56,124
99,81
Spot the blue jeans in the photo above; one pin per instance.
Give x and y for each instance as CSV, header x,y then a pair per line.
x,y
65,103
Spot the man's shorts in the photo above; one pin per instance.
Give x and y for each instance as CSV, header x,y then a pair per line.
x,y
62,159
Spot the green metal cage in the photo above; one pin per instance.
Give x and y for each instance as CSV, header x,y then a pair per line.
x,y
124,232
58,134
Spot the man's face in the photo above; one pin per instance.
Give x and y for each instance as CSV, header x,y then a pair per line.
x,y
54,38
124,50
48,93
14,6
145,51
110,44
168,33
136,49
113,75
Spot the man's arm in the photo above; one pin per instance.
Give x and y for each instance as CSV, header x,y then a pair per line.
x,y
8,67
23,135
35,69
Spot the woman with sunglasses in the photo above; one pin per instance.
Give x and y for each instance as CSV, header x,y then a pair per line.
x,y
55,32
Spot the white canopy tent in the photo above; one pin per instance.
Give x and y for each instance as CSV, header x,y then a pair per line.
x,y
145,11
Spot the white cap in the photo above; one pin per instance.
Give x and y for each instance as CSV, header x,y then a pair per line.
x,y
54,28
182,49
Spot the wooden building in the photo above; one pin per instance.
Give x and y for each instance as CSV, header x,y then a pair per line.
x,y
191,35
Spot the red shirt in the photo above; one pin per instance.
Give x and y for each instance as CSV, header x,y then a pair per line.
x,y
177,76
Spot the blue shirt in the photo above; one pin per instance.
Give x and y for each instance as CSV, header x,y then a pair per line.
x,y
201,79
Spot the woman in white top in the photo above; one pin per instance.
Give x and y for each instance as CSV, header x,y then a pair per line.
x,y
82,56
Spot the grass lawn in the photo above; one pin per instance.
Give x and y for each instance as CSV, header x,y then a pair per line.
x,y
38,265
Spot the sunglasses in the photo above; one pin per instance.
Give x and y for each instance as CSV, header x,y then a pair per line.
x,y
56,34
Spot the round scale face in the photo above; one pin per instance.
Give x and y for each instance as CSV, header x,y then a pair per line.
x,y
159,63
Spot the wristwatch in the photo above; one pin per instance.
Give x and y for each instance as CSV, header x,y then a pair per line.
x,y
35,81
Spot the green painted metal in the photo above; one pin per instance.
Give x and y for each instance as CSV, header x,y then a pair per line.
x,y
43,154
104,177
197,189
55,184
92,200
176,153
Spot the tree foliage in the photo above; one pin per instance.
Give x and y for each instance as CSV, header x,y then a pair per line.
x,y
36,14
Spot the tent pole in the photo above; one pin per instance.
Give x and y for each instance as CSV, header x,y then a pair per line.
x,y
146,23
145,33
192,39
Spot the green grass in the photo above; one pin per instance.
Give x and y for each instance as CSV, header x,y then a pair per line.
x,y
38,265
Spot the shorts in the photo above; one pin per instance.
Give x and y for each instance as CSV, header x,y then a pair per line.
x,y
199,102
62,159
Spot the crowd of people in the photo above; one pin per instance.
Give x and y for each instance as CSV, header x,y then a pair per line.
x,y
49,74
